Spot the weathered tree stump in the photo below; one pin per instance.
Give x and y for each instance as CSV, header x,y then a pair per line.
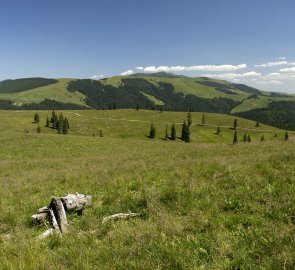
x,y
55,213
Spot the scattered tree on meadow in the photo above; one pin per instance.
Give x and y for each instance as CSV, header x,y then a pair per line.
x,y
218,130
137,107
161,109
286,136
36,118
152,131
173,132
276,135
245,138
189,119
166,133
249,138
38,129
262,138
257,124
235,123
66,121
235,140
114,106
65,127
100,133
60,124
203,119
185,133
47,122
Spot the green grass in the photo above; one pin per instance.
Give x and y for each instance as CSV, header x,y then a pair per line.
x,y
55,91
203,205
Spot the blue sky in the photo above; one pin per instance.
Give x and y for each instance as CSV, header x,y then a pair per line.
x,y
250,42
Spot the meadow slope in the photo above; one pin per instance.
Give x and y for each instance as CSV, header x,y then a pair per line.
x,y
203,205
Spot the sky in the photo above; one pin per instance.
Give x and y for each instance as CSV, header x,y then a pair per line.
x,y
251,42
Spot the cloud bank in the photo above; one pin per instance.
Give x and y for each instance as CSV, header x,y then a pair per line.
x,y
127,72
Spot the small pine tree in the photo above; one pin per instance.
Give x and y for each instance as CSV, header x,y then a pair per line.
x,y
38,129
245,137
276,135
161,109
100,133
47,122
114,106
152,131
249,138
36,118
65,128
173,133
137,107
235,124
67,122
53,115
218,130
185,133
257,124
262,138
203,119
166,133
189,119
286,136
235,139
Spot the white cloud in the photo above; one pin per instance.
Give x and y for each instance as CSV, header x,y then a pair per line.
x,y
127,72
272,64
96,77
233,76
271,82
194,68
289,70
139,68
282,58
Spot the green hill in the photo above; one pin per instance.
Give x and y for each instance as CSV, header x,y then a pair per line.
x,y
203,205
150,91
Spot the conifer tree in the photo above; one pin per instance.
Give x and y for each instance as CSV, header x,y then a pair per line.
x,y
100,133
60,124
286,136
152,131
257,124
161,109
262,138
137,107
276,135
53,115
249,138
189,119
114,106
173,132
38,129
67,122
166,133
185,133
65,127
245,138
36,118
47,122
235,123
235,140
203,119
218,130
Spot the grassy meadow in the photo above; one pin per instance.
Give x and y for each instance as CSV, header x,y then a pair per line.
x,y
207,204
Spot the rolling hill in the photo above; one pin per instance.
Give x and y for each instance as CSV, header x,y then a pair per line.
x,y
162,90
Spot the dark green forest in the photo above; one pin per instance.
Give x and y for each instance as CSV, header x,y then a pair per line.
x,y
19,85
279,114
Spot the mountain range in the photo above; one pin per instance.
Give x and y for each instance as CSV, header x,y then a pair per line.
x,y
161,91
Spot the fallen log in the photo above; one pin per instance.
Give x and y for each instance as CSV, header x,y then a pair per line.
x,y
118,216
55,213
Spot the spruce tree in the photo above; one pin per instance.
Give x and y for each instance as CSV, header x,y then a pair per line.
x,y
235,140
276,135
257,124
47,122
189,119
218,130
249,138
173,133
67,122
53,116
152,131
245,138
65,128
262,138
137,107
114,106
286,136
36,118
60,124
185,133
38,129
166,133
100,133
203,119
235,123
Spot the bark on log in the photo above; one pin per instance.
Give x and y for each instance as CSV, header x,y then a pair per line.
x,y
59,212
41,216
76,202
120,216
46,234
